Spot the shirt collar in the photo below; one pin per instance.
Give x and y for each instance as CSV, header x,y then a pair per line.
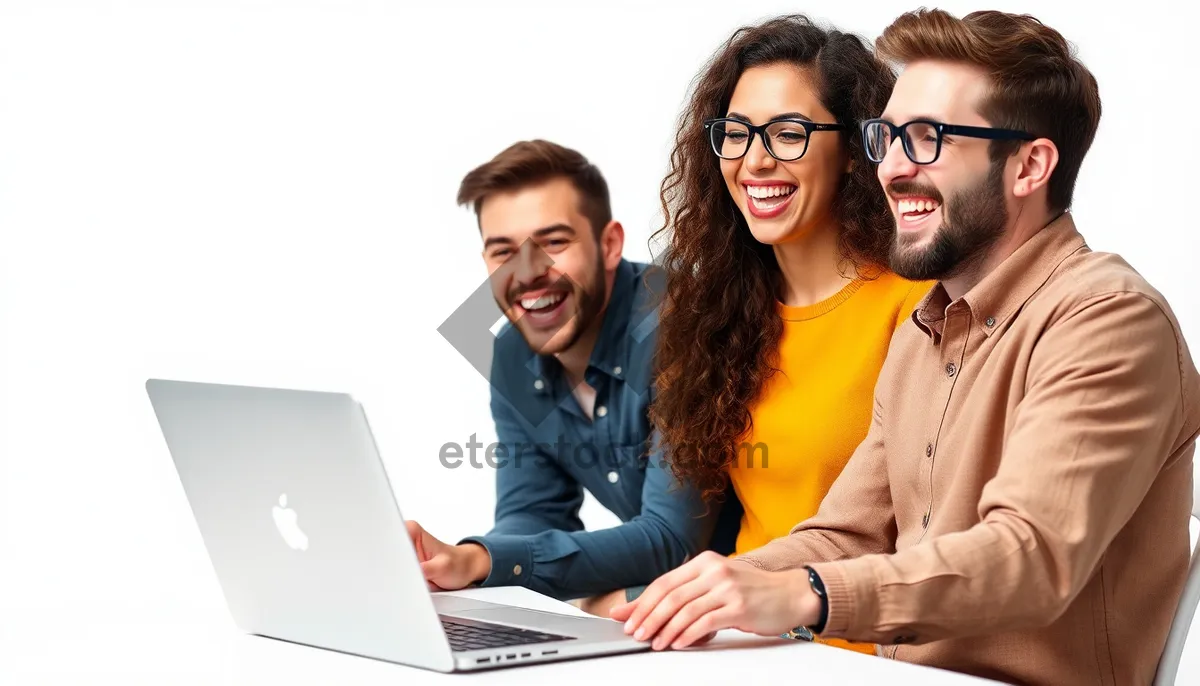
x,y
998,297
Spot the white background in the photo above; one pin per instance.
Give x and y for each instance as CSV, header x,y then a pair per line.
x,y
263,193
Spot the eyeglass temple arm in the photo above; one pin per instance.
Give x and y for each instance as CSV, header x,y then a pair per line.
x,y
984,132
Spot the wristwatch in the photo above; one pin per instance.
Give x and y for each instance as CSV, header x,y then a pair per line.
x,y
808,633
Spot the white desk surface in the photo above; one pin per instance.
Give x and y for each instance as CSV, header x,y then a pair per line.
x,y
217,653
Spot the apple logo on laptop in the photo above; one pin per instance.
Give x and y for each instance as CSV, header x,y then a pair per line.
x,y
285,521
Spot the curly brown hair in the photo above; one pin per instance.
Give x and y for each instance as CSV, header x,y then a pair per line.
x,y
719,329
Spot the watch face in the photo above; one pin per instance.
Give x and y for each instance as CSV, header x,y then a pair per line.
x,y
800,633
818,586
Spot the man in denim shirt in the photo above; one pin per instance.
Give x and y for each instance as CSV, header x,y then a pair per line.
x,y
572,379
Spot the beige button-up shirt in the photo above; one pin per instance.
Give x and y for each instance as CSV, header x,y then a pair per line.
x,y
1019,508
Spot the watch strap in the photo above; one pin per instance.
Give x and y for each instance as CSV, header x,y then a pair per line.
x,y
818,587
808,633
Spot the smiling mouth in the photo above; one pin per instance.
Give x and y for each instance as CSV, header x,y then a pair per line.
x,y
767,199
544,312
542,302
914,210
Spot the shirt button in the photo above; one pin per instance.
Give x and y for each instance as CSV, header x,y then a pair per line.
x,y
601,411
928,450
617,371
613,477
991,321
517,570
951,369
539,384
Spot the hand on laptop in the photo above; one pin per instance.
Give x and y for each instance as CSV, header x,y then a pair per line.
x,y
689,604
601,605
448,567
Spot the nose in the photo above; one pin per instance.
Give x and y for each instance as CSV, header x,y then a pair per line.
x,y
757,157
531,263
895,164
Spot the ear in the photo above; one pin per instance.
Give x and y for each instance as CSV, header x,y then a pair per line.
x,y
1035,165
612,244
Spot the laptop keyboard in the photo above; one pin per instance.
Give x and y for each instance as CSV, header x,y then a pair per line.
x,y
481,636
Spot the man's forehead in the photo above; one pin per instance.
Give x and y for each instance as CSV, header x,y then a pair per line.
x,y
518,214
947,91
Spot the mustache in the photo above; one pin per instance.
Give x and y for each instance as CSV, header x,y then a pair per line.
x,y
913,188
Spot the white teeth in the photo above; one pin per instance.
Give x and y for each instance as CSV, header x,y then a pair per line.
x,y
768,191
916,206
542,302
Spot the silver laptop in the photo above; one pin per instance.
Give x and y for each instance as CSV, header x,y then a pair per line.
x,y
309,546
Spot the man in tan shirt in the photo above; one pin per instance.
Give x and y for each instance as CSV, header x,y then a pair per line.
x,y
1019,508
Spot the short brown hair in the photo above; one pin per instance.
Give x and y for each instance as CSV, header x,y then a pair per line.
x,y
530,163
1038,85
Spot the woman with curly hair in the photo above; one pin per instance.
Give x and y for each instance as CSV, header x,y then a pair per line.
x,y
779,307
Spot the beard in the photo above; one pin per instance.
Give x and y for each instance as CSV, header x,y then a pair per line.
x,y
587,299
973,221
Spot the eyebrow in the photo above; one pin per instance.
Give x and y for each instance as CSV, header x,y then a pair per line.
x,y
927,117
540,233
785,115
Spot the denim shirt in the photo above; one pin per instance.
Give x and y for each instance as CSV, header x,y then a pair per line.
x,y
549,452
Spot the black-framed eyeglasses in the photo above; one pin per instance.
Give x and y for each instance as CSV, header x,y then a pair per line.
x,y
785,139
922,138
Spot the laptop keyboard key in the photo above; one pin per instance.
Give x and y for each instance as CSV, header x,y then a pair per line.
x,y
483,635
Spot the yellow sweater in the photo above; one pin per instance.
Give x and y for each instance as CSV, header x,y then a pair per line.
x,y
813,413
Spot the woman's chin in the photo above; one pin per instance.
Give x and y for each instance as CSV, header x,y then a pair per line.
x,y
772,231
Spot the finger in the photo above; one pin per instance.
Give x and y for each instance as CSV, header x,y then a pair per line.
x,y
704,629
670,605
623,611
705,602
436,569
644,604
414,533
